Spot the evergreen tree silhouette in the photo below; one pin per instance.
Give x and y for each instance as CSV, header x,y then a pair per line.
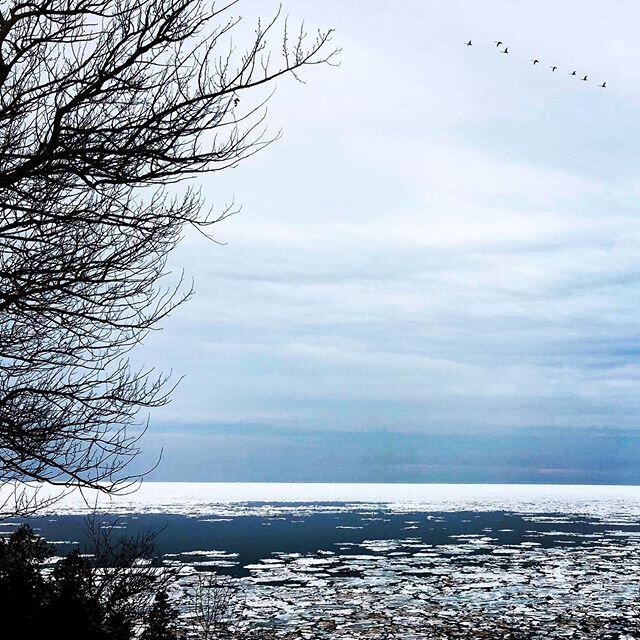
x,y
161,624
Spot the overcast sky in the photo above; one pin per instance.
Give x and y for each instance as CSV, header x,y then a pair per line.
x,y
435,274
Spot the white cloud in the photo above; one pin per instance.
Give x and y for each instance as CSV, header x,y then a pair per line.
x,y
444,238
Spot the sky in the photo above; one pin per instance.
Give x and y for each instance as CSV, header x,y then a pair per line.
x,y
435,272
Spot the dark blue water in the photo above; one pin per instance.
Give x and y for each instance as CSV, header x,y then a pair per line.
x,y
256,537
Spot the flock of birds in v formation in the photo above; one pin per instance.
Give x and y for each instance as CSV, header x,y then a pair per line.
x,y
535,61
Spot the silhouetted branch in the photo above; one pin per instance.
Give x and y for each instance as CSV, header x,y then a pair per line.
x,y
102,104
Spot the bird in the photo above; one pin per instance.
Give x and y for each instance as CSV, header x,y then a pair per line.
x,y
553,68
505,50
604,85
236,101
535,61
498,43
584,79
469,43
573,73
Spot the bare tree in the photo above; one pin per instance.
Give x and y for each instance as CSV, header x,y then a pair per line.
x,y
103,103
215,607
124,575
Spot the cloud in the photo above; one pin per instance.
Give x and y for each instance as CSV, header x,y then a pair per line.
x,y
443,240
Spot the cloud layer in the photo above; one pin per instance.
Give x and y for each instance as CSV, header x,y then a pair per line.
x,y
446,239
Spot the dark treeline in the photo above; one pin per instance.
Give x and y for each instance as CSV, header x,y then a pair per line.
x,y
104,596
119,591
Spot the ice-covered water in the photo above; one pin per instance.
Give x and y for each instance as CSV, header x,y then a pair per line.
x,y
211,497
420,561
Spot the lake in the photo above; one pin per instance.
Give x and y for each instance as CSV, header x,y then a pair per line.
x,y
360,554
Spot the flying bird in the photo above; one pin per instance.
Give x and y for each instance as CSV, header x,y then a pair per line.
x,y
535,61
